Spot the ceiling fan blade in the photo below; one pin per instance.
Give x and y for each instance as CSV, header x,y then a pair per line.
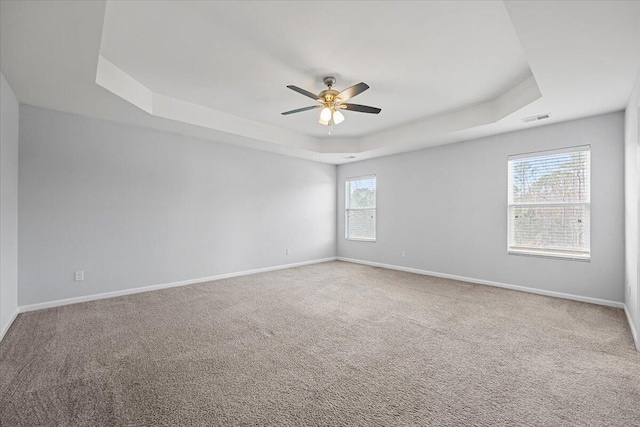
x,y
299,110
360,108
354,90
303,92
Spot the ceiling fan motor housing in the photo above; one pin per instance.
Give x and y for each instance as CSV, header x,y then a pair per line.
x,y
328,95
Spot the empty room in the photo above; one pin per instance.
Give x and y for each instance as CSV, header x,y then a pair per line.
x,y
305,213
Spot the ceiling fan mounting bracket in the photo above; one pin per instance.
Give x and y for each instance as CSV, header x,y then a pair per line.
x,y
329,81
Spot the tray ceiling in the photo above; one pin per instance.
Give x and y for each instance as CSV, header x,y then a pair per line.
x,y
441,71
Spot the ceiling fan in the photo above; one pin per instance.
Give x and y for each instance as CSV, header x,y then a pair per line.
x,y
331,101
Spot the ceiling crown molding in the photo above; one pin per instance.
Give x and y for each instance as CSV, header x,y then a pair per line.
x,y
430,130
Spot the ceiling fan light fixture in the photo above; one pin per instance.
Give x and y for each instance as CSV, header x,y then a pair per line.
x,y
323,122
325,114
338,117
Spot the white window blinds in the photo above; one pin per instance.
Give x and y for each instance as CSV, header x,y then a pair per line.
x,y
360,208
549,203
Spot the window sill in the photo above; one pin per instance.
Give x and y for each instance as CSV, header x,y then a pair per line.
x,y
552,255
360,240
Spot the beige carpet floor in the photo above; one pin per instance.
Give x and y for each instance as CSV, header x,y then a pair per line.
x,y
332,344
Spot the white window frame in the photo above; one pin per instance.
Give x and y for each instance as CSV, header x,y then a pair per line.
x,y
347,209
548,252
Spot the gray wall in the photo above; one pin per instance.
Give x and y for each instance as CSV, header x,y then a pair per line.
x,y
8,204
135,207
447,208
632,163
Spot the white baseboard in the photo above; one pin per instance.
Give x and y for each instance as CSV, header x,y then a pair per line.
x,y
634,332
60,302
580,298
86,298
6,328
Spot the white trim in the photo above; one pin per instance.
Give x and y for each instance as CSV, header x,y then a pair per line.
x,y
550,254
534,154
634,333
61,302
545,250
360,178
580,298
547,204
58,303
348,208
6,328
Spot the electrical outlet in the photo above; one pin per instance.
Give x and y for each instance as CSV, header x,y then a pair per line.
x,y
288,251
79,276
403,253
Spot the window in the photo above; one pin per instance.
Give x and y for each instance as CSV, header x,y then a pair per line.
x,y
549,203
360,208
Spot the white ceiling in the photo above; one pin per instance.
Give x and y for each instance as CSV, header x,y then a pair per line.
x,y
420,59
441,71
